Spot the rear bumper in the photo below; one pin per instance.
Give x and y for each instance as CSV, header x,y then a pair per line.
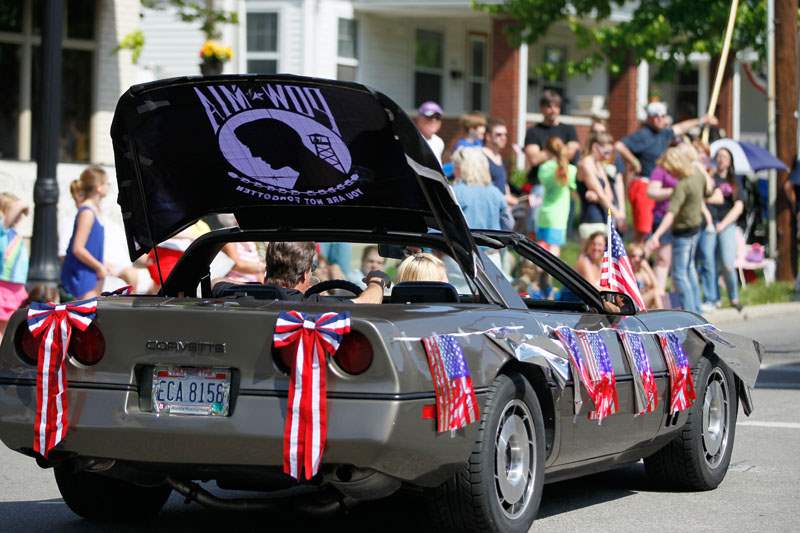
x,y
389,436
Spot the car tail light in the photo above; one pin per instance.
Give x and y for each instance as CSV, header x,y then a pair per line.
x,y
26,345
354,355
87,347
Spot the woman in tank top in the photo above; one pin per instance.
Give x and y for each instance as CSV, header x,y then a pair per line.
x,y
594,188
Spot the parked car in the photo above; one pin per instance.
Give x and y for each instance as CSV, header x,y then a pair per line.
x,y
301,159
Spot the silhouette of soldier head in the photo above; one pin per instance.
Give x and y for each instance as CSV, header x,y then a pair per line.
x,y
279,145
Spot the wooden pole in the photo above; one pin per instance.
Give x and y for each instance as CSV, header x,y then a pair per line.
x,y
786,86
723,61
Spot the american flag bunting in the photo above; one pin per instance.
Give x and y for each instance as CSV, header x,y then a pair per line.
x,y
616,273
305,431
682,393
456,404
644,383
53,324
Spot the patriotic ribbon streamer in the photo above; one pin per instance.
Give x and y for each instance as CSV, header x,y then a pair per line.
x,y
53,324
456,403
305,432
126,290
644,382
682,393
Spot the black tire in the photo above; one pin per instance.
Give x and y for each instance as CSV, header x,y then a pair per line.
x,y
471,499
105,499
698,458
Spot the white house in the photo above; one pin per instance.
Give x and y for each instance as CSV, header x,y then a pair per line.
x,y
409,49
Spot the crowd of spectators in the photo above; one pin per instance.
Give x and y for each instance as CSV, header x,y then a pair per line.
x,y
675,206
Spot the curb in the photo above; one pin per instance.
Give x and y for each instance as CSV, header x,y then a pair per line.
x,y
755,311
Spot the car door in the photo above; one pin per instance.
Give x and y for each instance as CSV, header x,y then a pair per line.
x,y
581,438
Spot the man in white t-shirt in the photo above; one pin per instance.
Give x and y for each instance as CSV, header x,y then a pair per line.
x,y
429,122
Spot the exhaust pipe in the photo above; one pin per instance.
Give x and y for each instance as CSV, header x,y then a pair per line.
x,y
194,492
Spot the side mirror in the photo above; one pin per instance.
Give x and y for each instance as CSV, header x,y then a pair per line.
x,y
617,303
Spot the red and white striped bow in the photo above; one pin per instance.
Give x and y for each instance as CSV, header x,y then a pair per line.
x,y
306,426
53,324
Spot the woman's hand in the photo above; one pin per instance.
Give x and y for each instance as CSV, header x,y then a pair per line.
x,y
652,244
102,271
592,197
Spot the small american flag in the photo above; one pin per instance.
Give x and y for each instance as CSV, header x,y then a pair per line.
x,y
682,394
616,273
644,383
601,372
456,404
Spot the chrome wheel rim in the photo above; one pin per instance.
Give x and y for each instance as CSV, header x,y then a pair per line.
x,y
515,459
716,414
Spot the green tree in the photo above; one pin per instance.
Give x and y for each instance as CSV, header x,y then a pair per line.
x,y
661,32
188,11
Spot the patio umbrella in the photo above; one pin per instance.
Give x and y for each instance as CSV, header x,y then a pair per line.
x,y
748,158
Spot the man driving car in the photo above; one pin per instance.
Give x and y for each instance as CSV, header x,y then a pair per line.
x,y
290,266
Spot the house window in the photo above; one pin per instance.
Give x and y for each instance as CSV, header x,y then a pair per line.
x,y
552,57
428,66
478,79
262,43
20,87
347,50
686,95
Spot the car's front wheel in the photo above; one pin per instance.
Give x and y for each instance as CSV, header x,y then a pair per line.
x,y
105,499
500,487
698,458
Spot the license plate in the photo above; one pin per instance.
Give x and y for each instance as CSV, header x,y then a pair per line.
x,y
191,391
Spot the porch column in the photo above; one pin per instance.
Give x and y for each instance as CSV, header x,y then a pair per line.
x,y
504,99
622,100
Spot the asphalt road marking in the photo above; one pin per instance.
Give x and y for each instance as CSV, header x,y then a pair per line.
x,y
757,423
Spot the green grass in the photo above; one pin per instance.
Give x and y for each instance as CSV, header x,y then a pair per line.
x,y
570,252
759,293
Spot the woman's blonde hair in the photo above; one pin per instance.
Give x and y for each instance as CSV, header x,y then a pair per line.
x,y
421,267
87,183
677,161
558,149
7,199
473,166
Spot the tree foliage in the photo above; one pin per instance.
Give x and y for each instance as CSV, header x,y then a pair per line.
x,y
662,32
188,11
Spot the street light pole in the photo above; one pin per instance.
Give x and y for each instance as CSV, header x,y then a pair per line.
x,y
44,268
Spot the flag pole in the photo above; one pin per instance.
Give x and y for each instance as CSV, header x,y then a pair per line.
x,y
723,61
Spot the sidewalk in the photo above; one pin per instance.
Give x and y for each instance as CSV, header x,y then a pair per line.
x,y
727,315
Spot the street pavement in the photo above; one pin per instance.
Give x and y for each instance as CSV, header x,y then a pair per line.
x,y
760,493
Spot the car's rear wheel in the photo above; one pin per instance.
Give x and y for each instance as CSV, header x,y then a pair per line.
x,y
105,499
698,458
500,487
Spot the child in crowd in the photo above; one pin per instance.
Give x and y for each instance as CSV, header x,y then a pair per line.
x,y
652,293
532,282
473,126
557,177
14,269
83,271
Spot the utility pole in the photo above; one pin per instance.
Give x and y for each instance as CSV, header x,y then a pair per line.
x,y
44,269
786,130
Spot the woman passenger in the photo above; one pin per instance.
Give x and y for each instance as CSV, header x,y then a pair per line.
x,y
422,267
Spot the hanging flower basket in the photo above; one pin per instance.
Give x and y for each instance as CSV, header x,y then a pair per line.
x,y
214,56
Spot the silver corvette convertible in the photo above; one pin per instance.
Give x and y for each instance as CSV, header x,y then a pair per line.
x,y
184,386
